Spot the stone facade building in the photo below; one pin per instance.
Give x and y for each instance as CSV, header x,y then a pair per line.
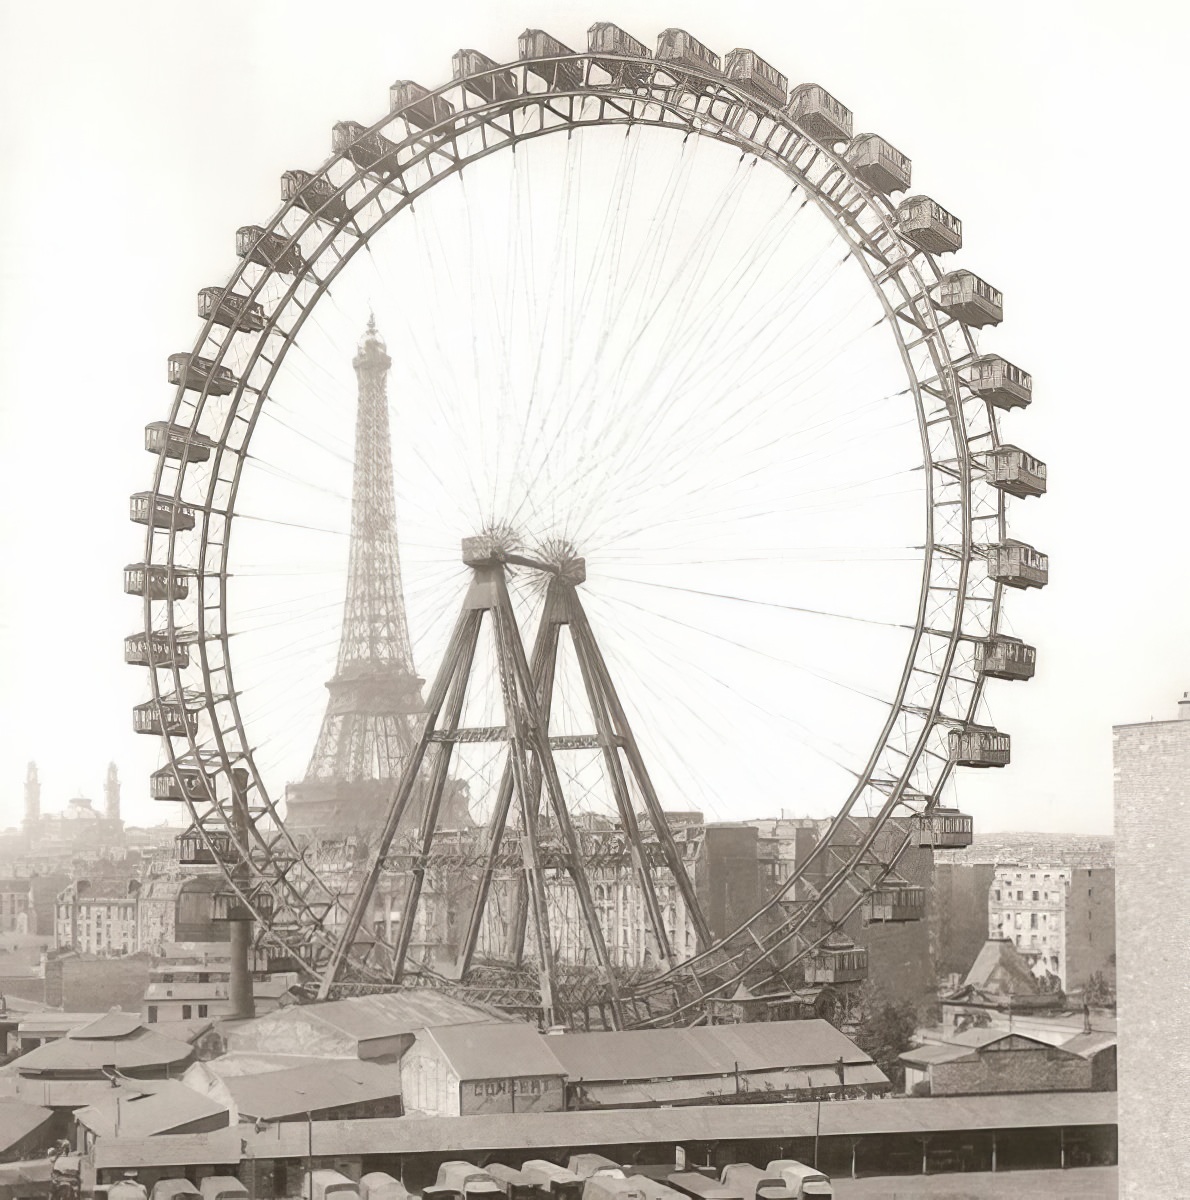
x,y
1062,919
1152,813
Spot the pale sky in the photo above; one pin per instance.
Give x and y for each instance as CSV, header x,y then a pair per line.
x,y
136,142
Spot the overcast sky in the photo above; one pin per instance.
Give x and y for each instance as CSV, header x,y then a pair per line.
x,y
137,137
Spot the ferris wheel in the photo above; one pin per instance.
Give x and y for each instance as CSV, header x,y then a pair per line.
x,y
682,378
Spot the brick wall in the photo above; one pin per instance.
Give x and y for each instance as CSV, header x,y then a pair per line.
x,y
1152,804
83,984
1019,1066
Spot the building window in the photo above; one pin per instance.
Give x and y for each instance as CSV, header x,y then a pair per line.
x,y
152,1013
202,1010
997,893
1036,896
1032,920
185,1012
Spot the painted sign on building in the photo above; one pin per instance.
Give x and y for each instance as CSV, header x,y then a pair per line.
x,y
525,1093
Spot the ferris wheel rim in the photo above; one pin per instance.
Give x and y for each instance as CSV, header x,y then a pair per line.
x,y
522,101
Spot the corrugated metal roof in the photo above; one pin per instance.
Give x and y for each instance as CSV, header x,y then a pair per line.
x,y
399,1012
18,1120
147,1109
549,1131
1089,1044
936,1053
495,1051
113,1024
144,1048
312,1088
704,1050
544,1131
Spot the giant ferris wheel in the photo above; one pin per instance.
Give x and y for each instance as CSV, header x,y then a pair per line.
x,y
696,386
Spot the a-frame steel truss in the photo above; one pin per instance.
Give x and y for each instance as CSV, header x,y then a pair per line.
x,y
547,837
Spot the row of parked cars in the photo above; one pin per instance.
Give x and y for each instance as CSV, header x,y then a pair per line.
x,y
585,1177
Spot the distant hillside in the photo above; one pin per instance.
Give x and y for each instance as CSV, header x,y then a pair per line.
x,y
1054,849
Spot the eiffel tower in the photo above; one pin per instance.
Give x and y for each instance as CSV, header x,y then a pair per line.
x,y
375,699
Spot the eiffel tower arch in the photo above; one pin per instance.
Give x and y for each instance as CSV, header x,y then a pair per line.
x,y
375,701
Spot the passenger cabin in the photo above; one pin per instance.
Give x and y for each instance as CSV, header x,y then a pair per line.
x,y
461,1178
944,829
195,373
1018,565
225,307
194,851
557,1182
803,1181
813,109
157,582
369,151
1004,657
195,784
165,653
482,76
893,902
749,72
978,747
925,224
997,381
176,441
378,1185
841,962
268,249
515,1184
878,164
676,47
539,47
315,193
230,906
700,1187
161,512
587,1165
328,1185
171,718
605,38
969,299
752,1183
605,1186
180,783
1015,472
420,108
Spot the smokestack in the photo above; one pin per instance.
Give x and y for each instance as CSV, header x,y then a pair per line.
x,y
1184,707
111,794
32,798
239,994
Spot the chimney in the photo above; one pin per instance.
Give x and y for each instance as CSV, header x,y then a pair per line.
x,y
1184,707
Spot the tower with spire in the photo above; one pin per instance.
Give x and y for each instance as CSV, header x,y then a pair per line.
x,y
375,695
32,817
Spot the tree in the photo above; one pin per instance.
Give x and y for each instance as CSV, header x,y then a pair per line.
x,y
1099,992
885,1031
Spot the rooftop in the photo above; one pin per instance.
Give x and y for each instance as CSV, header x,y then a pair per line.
x,y
18,1120
496,1051
147,1109
312,1088
116,1041
703,1050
